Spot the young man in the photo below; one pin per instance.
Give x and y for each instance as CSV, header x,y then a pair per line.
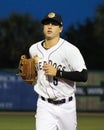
x,y
60,66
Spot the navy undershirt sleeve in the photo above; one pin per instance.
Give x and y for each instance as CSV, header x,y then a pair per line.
x,y
74,75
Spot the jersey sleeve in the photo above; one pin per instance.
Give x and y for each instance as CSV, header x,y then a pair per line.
x,y
76,60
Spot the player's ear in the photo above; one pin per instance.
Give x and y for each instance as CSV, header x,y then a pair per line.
x,y
61,28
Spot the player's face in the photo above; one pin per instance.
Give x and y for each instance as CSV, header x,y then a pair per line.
x,y
51,30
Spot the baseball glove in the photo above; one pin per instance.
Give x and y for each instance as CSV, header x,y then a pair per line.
x,y
27,69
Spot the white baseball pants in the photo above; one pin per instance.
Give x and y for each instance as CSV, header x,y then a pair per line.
x,y
56,117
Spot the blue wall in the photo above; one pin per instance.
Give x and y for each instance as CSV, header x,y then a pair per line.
x,y
15,94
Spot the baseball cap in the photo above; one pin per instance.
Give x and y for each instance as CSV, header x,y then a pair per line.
x,y
54,17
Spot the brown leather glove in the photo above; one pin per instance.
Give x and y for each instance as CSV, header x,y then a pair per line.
x,y
27,69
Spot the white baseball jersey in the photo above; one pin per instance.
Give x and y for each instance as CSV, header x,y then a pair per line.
x,y
64,56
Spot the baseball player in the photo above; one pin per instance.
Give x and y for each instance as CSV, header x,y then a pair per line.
x,y
60,66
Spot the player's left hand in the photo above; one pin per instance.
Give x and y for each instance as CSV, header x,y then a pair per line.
x,y
49,70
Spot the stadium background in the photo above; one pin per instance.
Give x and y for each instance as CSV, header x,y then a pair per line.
x,y
17,99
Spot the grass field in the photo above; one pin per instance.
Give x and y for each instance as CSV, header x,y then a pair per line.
x,y
90,122
26,121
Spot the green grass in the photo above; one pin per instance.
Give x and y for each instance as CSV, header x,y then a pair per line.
x,y
17,121
26,121
91,122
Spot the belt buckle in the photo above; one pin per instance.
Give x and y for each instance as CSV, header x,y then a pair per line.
x,y
62,101
57,102
51,101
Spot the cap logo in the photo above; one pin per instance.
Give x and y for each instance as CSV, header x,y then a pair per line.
x,y
51,15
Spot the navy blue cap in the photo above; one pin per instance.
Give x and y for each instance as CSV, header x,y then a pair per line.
x,y
54,17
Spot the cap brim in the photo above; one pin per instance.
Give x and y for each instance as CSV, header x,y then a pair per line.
x,y
49,19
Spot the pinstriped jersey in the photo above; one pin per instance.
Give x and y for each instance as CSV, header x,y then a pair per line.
x,y
64,56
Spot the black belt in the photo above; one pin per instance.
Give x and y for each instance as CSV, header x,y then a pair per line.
x,y
57,101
